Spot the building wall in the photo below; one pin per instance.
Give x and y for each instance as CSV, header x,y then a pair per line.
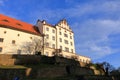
x,y
83,59
53,34
70,41
13,40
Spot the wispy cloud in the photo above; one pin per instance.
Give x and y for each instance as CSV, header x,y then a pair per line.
x,y
106,9
94,38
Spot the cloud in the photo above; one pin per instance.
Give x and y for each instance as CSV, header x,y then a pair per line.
x,y
1,2
104,9
93,38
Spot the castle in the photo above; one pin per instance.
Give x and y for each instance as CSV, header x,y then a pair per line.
x,y
55,39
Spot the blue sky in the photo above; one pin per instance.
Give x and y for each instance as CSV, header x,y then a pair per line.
x,y
96,23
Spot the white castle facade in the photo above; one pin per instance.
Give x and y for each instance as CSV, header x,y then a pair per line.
x,y
55,39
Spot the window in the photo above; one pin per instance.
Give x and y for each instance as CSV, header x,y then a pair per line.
x,y
5,32
53,45
13,41
53,37
47,44
47,36
60,39
60,33
66,41
65,35
72,50
19,24
66,49
47,29
18,35
0,49
5,20
53,31
61,47
71,43
30,37
1,39
70,37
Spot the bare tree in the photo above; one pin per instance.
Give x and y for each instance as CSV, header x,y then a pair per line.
x,y
107,67
36,45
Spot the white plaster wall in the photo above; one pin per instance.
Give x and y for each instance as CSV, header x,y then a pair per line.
x,y
8,47
50,33
65,38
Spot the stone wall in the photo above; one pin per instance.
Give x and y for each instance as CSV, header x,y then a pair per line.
x,y
57,66
49,72
10,74
6,59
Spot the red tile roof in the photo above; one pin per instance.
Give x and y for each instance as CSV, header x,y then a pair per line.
x,y
17,24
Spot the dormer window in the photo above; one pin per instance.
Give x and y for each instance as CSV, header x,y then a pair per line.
x,y
19,24
5,20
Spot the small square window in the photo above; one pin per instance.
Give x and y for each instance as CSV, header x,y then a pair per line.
x,y
53,37
53,45
1,39
66,41
71,43
65,35
70,37
53,31
0,49
13,41
47,44
47,29
60,39
60,33
30,37
66,49
5,32
47,36
18,35
61,47
72,50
